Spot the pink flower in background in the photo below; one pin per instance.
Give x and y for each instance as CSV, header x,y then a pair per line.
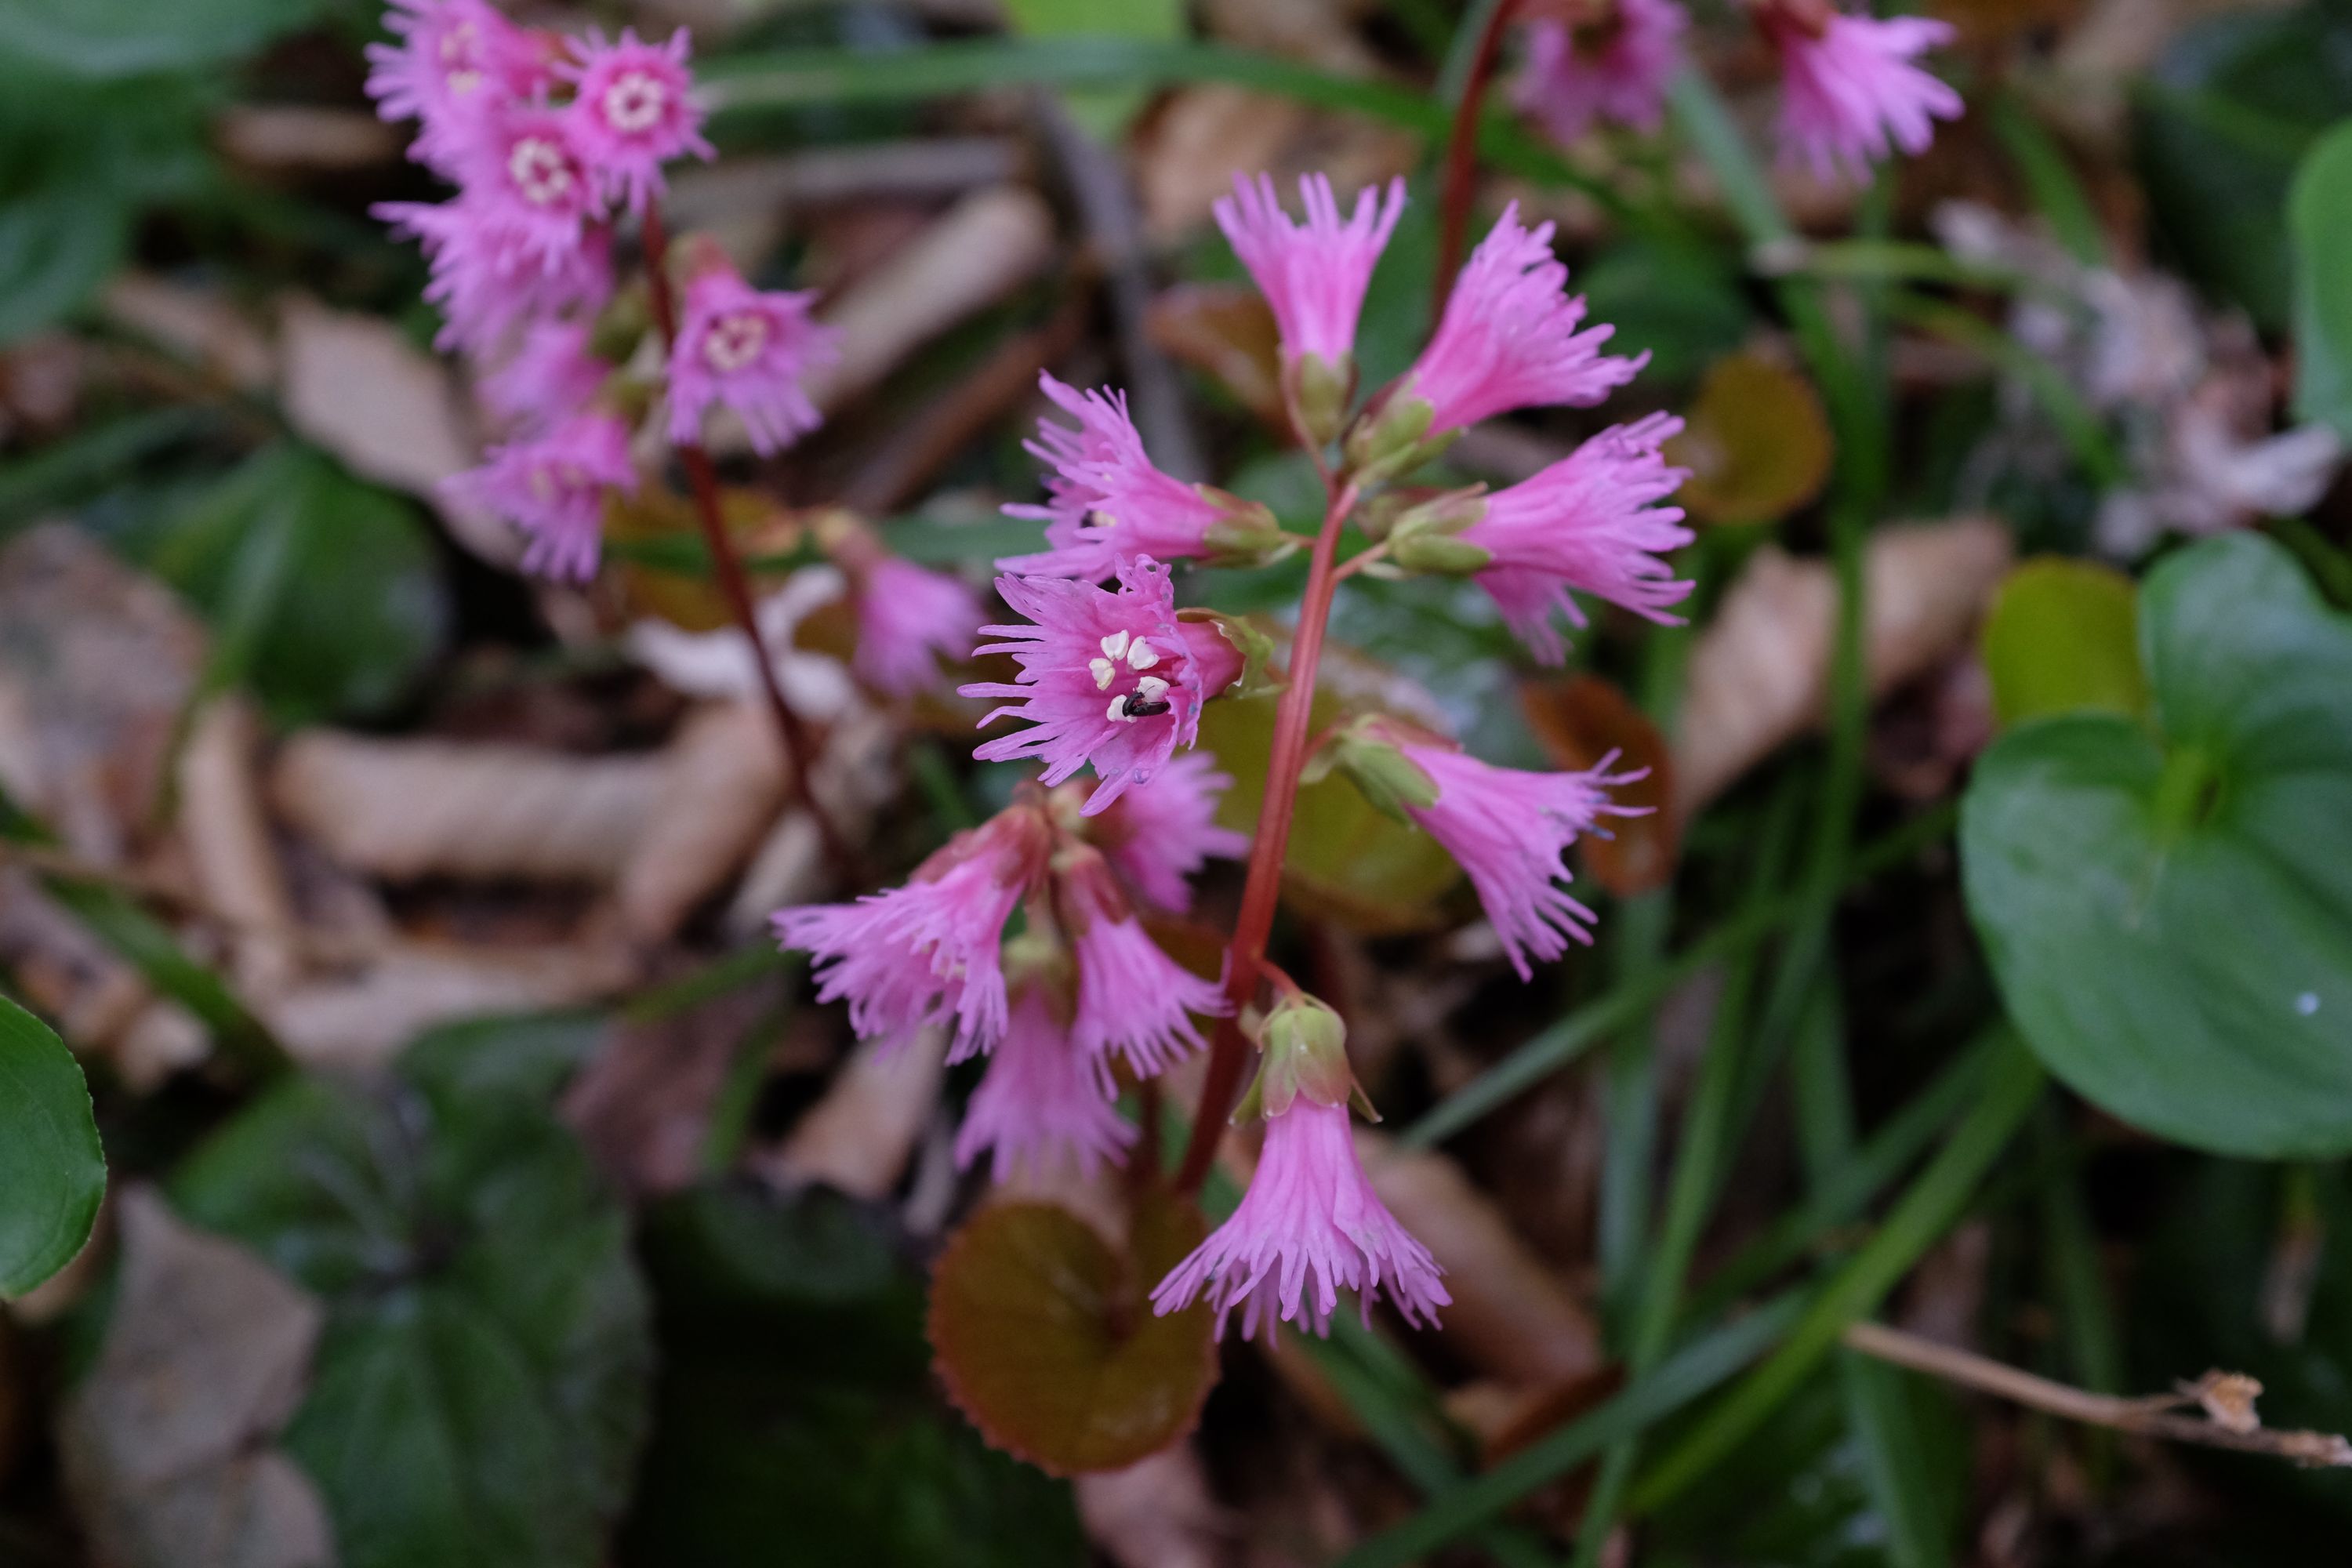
x,y
1508,830
1108,501
455,59
633,109
1851,94
1587,522
1616,70
749,350
1132,997
552,486
549,375
1508,339
1108,679
488,277
523,167
908,620
1042,1101
928,951
1158,835
1313,274
1310,1227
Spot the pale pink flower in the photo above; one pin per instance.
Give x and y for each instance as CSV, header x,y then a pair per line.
x,y
488,276
1310,1227
1616,70
455,59
1133,998
550,376
929,950
910,618
1314,274
524,167
749,350
1508,338
1851,94
1508,830
1042,1100
1587,522
1113,680
633,109
552,486
1109,502
1157,836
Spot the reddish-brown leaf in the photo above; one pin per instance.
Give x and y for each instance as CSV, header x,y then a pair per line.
x,y
1580,721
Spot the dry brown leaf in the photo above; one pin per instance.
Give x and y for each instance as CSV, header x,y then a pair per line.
x,y
1193,142
859,1137
1759,674
357,387
362,1021
1226,330
227,838
279,138
199,325
723,784
168,1442
1155,1514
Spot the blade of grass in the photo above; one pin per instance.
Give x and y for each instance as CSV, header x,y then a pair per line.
x,y
2077,424
2050,181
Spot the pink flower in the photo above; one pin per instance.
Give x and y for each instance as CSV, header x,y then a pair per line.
x,y
1508,830
633,109
455,58
1310,1227
1132,997
1851,94
1158,835
1042,1099
908,619
488,277
1587,522
1615,70
748,349
1312,274
1108,679
552,486
1508,339
1109,502
928,951
524,166
550,376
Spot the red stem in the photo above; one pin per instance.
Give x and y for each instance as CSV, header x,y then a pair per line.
x,y
735,584
1245,957
1462,156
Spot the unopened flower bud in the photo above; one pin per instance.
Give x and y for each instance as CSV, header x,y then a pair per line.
x,y
1320,392
1304,1046
1245,532
1392,438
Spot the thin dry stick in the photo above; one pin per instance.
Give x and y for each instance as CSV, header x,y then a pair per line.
x,y
735,584
2158,1415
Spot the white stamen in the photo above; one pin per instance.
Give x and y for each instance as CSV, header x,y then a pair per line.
x,y
540,171
1117,712
734,342
1151,688
1103,671
634,102
1142,656
1115,645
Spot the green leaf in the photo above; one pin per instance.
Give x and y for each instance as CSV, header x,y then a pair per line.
x,y
2062,638
52,1171
1675,299
112,38
1106,112
482,1389
2169,912
2319,224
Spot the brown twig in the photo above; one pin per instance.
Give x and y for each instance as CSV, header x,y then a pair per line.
x,y
2155,1417
1461,156
735,584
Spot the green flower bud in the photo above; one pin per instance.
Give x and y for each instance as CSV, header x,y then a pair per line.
x,y
1245,534
1391,439
1438,554
1319,393
1304,1051
1383,774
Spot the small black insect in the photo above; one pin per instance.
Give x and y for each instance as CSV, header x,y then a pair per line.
x,y
1135,707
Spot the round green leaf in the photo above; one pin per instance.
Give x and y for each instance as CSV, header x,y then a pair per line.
x,y
2169,913
2062,638
52,1172
2319,226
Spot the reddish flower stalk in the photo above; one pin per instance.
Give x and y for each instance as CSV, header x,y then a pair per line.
x,y
735,584
1461,156
1229,1053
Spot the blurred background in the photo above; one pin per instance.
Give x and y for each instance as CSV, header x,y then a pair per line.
x,y
484,1189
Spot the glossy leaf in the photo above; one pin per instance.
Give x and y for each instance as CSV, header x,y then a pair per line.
x,y
52,1171
1579,722
2062,638
2319,223
2168,911
1757,443
1047,1338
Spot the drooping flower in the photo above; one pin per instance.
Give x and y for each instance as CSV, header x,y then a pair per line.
x,y
1109,502
1310,1227
910,618
455,58
550,376
1851,94
1615,69
488,277
1132,997
552,486
524,166
928,951
1589,522
749,350
633,109
1108,679
1158,835
1042,1100
1508,830
1314,274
